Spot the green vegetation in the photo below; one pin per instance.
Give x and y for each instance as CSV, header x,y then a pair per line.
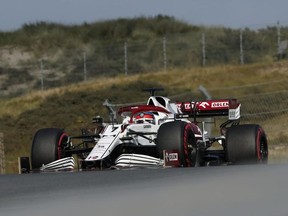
x,y
72,107
60,48
24,108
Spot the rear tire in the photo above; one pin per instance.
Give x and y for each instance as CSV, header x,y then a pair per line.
x,y
246,144
178,135
47,146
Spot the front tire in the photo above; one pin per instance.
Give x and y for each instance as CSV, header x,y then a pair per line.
x,y
47,146
246,144
178,135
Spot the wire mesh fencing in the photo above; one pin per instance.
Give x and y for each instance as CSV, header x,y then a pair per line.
x,y
270,110
21,71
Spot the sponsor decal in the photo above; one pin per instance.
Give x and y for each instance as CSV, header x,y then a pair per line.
x,y
146,126
188,106
220,104
171,156
204,104
94,157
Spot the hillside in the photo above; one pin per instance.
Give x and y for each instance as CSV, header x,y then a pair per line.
x,y
261,88
47,55
53,75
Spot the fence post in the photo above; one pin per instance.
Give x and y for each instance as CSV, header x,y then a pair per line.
x,y
241,47
2,154
84,66
125,59
164,53
278,34
203,50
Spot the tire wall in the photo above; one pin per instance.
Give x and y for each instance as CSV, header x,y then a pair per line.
x,y
243,143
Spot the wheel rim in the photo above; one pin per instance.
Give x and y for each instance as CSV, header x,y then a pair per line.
x,y
262,147
188,146
263,151
62,138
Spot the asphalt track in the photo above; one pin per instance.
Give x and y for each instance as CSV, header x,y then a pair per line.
x,y
226,191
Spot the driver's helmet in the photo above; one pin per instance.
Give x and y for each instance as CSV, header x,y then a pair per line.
x,y
145,117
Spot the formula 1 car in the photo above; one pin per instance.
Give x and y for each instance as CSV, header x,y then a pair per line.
x,y
159,133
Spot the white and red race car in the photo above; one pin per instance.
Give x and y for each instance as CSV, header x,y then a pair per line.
x,y
160,133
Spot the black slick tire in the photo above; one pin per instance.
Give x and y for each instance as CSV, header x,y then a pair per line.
x,y
246,144
178,135
47,146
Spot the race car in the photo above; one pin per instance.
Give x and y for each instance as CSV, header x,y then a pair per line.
x,y
159,133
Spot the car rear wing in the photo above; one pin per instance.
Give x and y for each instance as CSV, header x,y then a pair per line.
x,y
210,108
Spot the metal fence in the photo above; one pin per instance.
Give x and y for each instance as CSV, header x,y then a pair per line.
x,y
270,110
20,72
63,67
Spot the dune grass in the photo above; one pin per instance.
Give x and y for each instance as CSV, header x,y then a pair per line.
x,y
72,107
60,48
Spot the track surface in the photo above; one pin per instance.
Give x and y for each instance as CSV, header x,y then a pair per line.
x,y
228,190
